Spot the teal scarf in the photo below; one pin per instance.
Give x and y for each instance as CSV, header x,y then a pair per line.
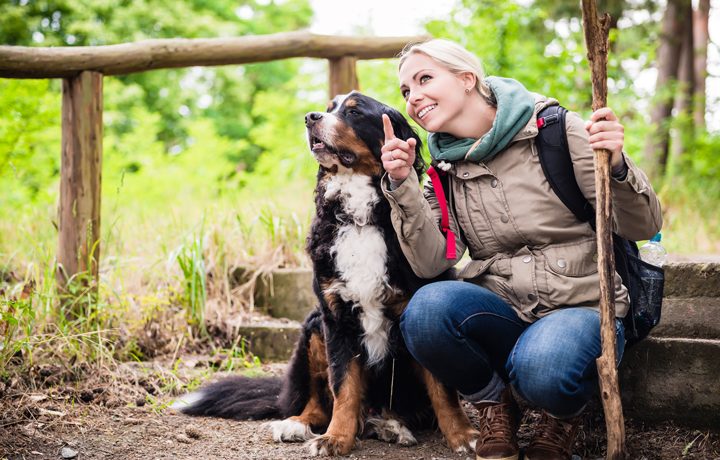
x,y
515,108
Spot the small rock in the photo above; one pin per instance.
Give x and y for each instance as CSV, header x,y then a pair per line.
x,y
140,402
37,398
183,439
68,453
193,432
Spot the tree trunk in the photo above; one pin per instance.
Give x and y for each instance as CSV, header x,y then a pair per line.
x,y
668,56
701,38
684,132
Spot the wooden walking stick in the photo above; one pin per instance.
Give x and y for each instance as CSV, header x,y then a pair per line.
x,y
596,40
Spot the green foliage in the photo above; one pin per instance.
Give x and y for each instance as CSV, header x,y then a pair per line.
x,y
191,259
237,358
29,140
225,96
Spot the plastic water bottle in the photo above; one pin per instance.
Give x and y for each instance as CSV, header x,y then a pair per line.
x,y
653,252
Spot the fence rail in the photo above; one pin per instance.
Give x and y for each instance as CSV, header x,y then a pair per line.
x,y
126,58
82,69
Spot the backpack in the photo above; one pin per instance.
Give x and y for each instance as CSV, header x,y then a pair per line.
x,y
645,282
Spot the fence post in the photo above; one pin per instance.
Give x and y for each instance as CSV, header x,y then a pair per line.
x,y
343,75
80,178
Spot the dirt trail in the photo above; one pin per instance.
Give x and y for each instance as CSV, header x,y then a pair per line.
x,y
40,424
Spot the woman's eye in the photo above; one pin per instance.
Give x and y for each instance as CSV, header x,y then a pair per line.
x,y
425,78
405,93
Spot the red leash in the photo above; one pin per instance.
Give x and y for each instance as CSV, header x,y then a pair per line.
x,y
450,253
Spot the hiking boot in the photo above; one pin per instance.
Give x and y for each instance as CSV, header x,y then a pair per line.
x,y
553,438
498,429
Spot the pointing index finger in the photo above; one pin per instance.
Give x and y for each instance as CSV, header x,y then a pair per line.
x,y
387,128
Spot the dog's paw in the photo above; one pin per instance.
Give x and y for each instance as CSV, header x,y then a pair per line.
x,y
330,445
463,441
390,430
289,430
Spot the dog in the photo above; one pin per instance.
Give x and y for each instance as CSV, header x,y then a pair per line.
x,y
351,373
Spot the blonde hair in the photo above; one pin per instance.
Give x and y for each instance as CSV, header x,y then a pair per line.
x,y
453,57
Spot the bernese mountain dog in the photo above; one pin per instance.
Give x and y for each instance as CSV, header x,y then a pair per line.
x,y
351,373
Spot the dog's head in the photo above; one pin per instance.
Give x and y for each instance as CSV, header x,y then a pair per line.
x,y
350,134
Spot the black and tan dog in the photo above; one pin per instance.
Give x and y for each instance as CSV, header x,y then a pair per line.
x,y
351,373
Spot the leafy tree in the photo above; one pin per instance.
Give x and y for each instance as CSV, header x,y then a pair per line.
x,y
28,124
226,95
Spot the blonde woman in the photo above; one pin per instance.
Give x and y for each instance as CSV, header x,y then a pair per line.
x,y
524,322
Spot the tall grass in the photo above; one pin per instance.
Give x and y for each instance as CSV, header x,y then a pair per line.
x,y
191,259
162,281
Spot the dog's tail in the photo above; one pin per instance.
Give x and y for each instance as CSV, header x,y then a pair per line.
x,y
240,398
259,398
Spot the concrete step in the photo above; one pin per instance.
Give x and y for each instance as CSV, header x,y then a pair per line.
x,y
271,341
284,293
673,378
287,292
693,278
689,317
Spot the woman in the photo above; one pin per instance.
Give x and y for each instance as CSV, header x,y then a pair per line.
x,y
528,320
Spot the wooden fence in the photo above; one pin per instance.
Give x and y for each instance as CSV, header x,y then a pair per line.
x,y
82,69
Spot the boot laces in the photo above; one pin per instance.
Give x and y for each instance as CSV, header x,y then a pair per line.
x,y
496,423
555,435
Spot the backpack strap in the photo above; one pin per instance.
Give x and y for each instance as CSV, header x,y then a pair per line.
x,y
450,252
556,162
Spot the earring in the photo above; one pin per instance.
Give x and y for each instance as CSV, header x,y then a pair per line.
x,y
467,90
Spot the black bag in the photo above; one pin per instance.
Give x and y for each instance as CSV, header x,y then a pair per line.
x,y
644,281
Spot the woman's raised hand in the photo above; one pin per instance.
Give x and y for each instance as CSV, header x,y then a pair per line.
x,y
398,155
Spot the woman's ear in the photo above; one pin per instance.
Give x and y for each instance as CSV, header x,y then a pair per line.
x,y
469,80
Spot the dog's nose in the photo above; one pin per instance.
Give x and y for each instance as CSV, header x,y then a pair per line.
x,y
312,117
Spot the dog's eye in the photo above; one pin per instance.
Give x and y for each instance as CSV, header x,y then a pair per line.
x,y
353,112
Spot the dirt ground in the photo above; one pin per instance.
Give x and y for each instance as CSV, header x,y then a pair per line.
x,y
119,417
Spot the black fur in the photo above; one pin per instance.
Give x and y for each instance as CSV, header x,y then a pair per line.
x,y
237,397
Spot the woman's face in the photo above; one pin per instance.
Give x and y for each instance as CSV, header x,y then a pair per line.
x,y
435,97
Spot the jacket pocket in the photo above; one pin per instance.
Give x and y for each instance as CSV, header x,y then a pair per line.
x,y
575,259
571,274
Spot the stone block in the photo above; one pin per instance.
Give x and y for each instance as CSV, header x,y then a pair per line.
x,y
271,342
286,293
671,378
689,317
692,279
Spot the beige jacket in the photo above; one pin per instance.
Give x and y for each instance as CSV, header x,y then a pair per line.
x,y
525,245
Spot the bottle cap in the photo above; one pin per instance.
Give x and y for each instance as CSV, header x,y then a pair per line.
x,y
657,238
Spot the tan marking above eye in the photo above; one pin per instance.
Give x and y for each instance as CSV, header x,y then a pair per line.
x,y
350,102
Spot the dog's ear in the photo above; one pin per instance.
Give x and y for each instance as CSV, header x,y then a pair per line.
x,y
404,131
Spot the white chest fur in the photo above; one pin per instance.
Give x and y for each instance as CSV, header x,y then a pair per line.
x,y
361,258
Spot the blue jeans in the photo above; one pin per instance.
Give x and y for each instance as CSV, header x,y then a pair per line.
x,y
473,341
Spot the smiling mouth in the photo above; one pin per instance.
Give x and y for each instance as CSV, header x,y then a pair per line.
x,y
426,110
